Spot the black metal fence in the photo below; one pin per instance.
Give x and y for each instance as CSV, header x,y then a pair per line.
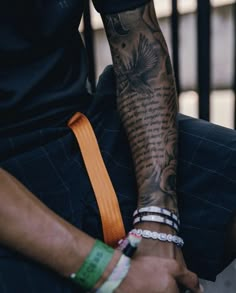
x,y
234,83
203,49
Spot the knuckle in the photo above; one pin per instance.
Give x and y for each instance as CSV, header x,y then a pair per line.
x,y
195,284
195,280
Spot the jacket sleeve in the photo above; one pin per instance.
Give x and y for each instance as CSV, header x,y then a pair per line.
x,y
115,6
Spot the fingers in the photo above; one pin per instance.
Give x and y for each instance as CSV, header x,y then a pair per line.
x,y
190,281
180,260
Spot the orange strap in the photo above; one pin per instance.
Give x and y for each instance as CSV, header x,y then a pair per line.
x,y
112,223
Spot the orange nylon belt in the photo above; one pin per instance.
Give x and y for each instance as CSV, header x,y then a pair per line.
x,y
112,223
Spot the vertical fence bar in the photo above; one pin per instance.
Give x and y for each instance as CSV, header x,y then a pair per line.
x,y
89,43
175,42
204,57
234,83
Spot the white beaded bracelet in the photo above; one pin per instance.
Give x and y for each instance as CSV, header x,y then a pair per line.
x,y
158,210
156,219
159,236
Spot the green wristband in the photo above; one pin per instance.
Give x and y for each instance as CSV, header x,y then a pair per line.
x,y
94,266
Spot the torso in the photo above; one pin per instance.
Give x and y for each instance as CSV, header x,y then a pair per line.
x,y
42,62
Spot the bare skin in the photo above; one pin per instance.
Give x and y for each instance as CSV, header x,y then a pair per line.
x,y
148,108
146,101
45,237
40,234
147,104
37,232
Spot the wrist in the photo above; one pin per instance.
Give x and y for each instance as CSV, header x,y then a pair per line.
x,y
117,276
169,205
94,266
97,267
156,227
155,214
150,247
109,269
78,248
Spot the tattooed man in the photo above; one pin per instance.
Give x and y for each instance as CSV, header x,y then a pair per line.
x,y
49,218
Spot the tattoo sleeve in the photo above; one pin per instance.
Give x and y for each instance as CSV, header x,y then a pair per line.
x,y
146,99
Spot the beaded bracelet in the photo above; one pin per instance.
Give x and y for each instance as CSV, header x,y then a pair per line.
x,y
117,276
157,210
159,236
156,219
94,266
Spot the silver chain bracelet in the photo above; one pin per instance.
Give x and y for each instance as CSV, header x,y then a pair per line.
x,y
159,236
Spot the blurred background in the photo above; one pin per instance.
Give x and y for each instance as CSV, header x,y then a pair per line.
x,y
201,36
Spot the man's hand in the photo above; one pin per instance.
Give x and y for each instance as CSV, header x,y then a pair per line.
x,y
158,275
170,260
147,103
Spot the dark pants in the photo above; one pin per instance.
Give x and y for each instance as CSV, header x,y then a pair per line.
x,y
49,163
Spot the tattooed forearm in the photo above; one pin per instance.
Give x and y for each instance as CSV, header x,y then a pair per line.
x,y
146,101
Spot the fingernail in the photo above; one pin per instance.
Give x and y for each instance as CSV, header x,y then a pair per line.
x,y
202,289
